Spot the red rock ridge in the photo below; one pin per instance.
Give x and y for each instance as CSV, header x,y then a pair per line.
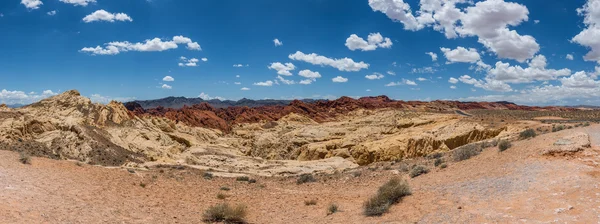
x,y
204,115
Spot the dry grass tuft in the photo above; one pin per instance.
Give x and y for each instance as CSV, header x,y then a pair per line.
x,y
388,194
225,213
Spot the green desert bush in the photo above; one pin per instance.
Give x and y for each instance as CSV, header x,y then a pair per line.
x,y
438,162
310,202
388,194
225,213
529,133
504,145
244,178
417,171
207,175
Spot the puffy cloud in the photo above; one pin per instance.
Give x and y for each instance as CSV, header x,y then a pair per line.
x,y
461,54
285,81
580,80
245,89
168,79
487,84
21,97
237,83
102,15
193,62
204,59
282,69
421,79
165,86
344,64
239,65
374,40
452,87
434,56
79,2
391,73
374,76
205,96
590,36
266,83
339,79
51,13
403,82
453,80
488,20
277,42
397,10
535,72
309,74
569,57
306,81
114,48
32,4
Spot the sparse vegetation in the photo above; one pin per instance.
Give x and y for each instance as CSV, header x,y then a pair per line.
x,y
306,178
332,208
466,152
417,171
357,174
529,133
252,181
558,128
143,185
310,202
221,196
24,158
225,213
388,194
225,188
504,145
443,166
404,167
436,155
207,175
438,162
244,178
586,124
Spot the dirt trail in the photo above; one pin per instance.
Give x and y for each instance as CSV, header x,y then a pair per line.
x,y
518,185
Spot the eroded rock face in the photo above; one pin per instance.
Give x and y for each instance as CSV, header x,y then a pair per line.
x,y
363,136
69,126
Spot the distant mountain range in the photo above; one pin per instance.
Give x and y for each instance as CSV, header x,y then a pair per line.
x,y
179,102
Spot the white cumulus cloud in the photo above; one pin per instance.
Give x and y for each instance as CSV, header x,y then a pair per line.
x,y
374,40
277,42
79,2
344,64
374,76
434,56
117,47
339,79
103,15
266,83
168,79
32,4
461,54
245,89
165,86
282,69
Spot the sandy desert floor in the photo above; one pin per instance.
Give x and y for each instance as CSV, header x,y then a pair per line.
x,y
517,185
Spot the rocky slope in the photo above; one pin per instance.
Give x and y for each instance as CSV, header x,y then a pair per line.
x,y
205,115
180,102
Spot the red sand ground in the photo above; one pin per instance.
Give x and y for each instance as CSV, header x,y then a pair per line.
x,y
518,185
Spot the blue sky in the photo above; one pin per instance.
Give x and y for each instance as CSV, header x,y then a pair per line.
x,y
529,51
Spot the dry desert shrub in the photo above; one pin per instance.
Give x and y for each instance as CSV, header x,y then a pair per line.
x,y
332,208
24,158
438,162
466,152
504,145
244,178
388,194
310,202
417,171
529,133
305,178
225,213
